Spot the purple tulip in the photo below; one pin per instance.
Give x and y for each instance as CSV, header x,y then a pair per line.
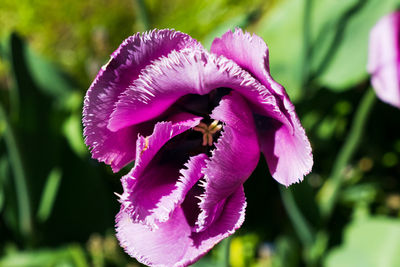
x,y
199,121
384,58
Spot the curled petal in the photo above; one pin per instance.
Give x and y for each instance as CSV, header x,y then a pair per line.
x,y
147,147
190,175
159,247
173,243
193,71
251,53
148,186
383,58
288,155
135,53
159,86
286,146
234,159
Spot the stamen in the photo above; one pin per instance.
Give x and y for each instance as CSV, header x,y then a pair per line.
x,y
208,131
213,124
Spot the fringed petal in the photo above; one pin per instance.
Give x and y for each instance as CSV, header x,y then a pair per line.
x,y
193,71
164,246
234,159
160,85
173,243
134,54
286,148
148,185
251,53
231,218
189,176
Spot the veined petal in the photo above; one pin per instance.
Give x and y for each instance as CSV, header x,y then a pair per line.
x,y
193,71
188,178
161,189
135,53
286,147
173,243
234,159
251,53
384,58
159,86
231,218
164,246
147,147
148,184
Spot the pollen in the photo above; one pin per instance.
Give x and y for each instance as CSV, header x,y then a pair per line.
x,y
208,131
146,145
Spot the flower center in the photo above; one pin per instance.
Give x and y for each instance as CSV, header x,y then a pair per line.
x,y
208,131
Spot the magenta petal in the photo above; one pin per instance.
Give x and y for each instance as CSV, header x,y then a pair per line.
x,y
251,53
159,86
285,147
288,155
234,159
135,53
164,246
231,218
162,188
383,58
185,72
173,243
147,147
188,178
146,184
175,206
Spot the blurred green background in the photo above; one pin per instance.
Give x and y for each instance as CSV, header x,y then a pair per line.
x,y
57,205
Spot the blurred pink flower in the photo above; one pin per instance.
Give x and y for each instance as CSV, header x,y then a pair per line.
x,y
384,58
199,121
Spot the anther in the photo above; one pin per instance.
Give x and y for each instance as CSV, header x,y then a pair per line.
x,y
208,131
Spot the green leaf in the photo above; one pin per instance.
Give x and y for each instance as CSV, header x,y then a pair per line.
x,y
218,257
360,193
3,177
286,252
373,242
348,65
338,32
72,130
281,30
22,193
72,255
48,78
240,21
49,194
206,262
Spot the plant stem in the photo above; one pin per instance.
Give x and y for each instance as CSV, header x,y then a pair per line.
x,y
300,224
327,196
338,37
227,249
24,209
306,43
